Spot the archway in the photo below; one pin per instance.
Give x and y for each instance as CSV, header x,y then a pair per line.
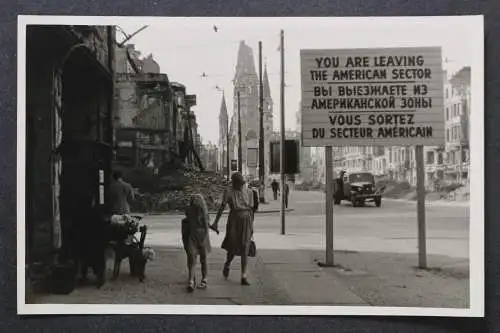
x,y
84,111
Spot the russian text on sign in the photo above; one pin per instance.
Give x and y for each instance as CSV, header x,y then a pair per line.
x,y
372,95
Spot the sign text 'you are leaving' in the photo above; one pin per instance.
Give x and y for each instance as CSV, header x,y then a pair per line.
x,y
375,95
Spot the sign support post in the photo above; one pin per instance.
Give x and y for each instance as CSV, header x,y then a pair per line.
x,y
329,206
366,97
422,248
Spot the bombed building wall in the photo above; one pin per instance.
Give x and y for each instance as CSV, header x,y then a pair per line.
x,y
145,107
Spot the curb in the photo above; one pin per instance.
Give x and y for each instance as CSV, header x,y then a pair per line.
x,y
178,213
434,202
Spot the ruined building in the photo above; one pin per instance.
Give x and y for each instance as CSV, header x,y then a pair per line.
x,y
246,82
151,115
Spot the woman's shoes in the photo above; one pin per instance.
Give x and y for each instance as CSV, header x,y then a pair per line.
x,y
203,284
244,281
190,287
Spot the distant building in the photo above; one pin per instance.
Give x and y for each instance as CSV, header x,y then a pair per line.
x,y
223,135
457,120
306,168
246,82
209,156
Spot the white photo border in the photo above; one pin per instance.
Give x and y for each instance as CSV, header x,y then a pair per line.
x,y
476,223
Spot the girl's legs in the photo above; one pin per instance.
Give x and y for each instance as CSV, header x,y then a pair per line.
x,y
229,259
204,270
191,261
204,265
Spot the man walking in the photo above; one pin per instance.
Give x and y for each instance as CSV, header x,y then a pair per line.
x,y
275,188
286,192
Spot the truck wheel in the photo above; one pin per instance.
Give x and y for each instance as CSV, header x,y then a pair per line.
x,y
355,203
378,202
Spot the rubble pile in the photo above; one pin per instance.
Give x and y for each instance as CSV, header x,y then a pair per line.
x,y
173,191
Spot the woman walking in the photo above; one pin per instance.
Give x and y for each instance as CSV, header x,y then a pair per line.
x,y
239,230
196,240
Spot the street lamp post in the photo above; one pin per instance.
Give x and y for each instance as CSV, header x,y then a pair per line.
x,y
261,129
228,170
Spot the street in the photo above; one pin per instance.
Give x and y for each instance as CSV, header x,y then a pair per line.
x,y
391,228
375,260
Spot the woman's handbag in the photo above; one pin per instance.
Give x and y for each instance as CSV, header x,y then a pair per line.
x,y
252,250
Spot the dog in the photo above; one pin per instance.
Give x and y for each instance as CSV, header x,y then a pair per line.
x,y
137,255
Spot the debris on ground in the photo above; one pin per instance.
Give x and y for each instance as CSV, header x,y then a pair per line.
x,y
172,191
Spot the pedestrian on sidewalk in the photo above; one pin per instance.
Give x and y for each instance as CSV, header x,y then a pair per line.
x,y
286,193
196,240
239,229
275,187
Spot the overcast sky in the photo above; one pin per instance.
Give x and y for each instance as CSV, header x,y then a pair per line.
x,y
187,47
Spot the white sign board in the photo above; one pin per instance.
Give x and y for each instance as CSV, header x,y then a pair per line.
x,y
366,97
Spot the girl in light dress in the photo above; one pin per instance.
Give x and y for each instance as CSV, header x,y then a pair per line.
x,y
196,240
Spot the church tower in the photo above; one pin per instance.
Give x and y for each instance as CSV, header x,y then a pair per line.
x,y
246,82
223,130
268,118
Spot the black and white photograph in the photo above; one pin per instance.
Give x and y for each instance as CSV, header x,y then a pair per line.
x,y
251,166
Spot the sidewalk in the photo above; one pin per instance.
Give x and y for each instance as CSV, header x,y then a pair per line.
x,y
289,277
271,284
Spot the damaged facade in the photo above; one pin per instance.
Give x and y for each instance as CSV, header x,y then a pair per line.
x,y
69,89
153,120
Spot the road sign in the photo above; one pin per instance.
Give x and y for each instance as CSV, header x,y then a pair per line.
x,y
385,97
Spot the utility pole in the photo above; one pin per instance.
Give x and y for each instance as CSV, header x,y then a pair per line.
x,y
422,239
240,143
227,154
261,129
282,120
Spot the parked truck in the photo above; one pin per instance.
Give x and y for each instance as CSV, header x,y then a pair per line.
x,y
358,188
